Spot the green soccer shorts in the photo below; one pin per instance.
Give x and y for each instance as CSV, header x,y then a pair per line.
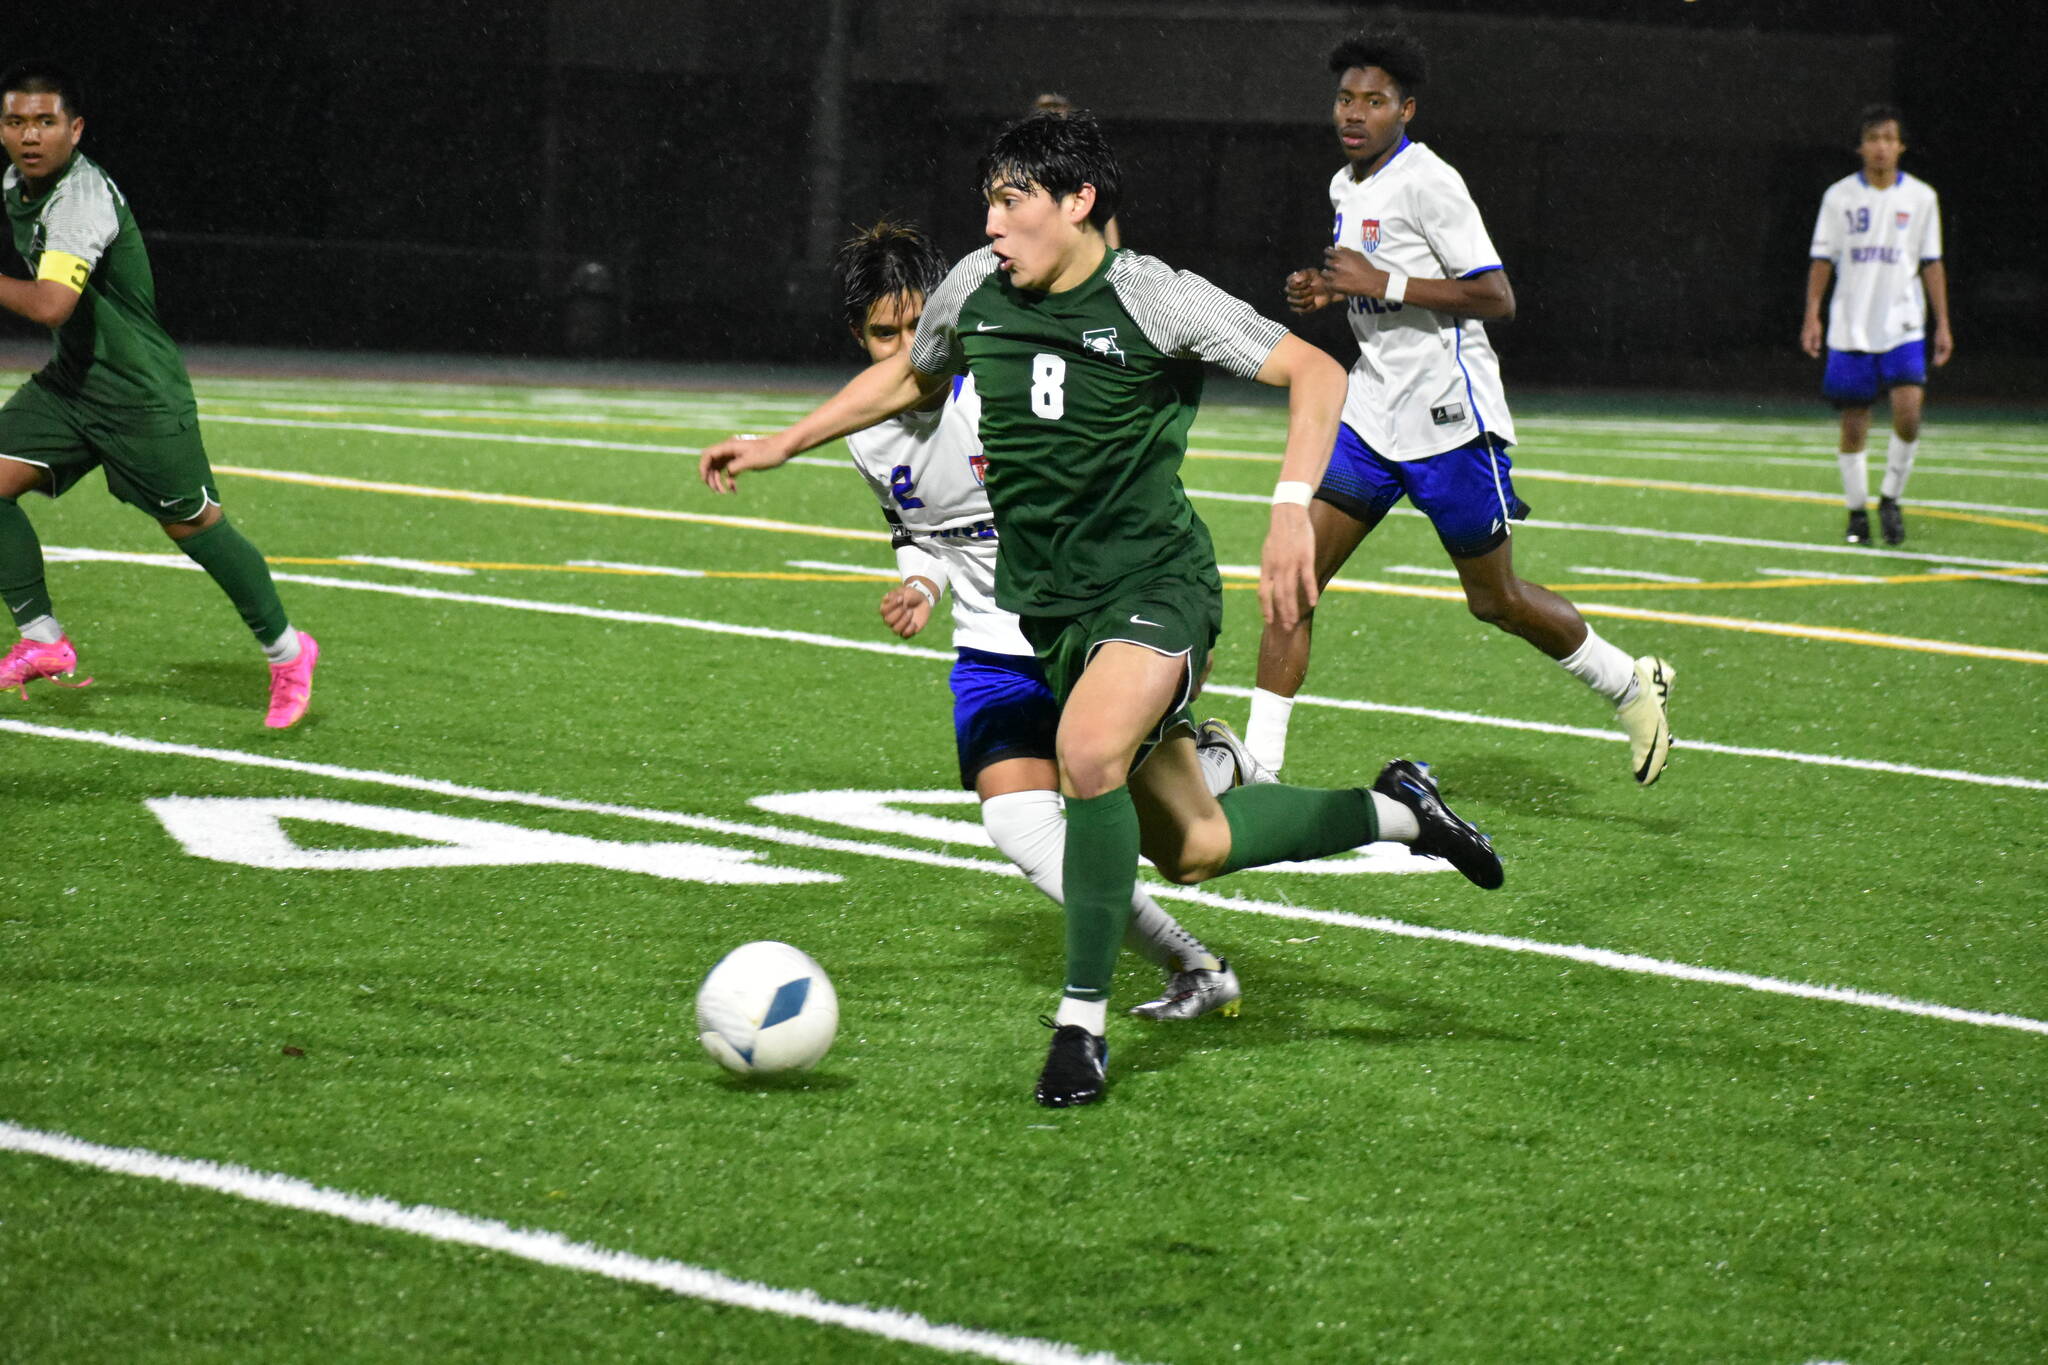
x,y
1178,614
162,471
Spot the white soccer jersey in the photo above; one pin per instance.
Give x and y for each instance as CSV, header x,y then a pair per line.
x,y
926,470
1878,241
1424,382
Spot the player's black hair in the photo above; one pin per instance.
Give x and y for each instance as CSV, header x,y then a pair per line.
x,y
44,78
1398,54
1874,114
882,261
1058,153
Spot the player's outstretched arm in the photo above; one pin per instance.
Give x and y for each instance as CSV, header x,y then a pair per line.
x,y
1348,274
1811,332
1315,397
875,394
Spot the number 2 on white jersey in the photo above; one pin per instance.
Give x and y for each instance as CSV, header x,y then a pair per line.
x,y
1048,392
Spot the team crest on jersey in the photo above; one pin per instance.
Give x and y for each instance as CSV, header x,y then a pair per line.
x,y
1899,219
1102,341
1369,233
979,464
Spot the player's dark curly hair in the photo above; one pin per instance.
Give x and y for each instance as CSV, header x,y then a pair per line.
x,y
1398,54
882,261
44,78
1058,153
1874,114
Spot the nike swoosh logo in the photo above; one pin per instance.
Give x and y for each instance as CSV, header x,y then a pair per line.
x,y
1141,621
989,326
17,606
168,502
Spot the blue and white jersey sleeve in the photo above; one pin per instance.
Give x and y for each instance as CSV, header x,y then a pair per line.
x,y
1828,228
926,471
1455,231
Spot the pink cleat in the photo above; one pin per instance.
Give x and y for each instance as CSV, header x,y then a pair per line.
x,y
32,659
291,685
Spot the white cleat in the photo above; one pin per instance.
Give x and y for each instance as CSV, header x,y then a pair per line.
x,y
1647,718
1192,994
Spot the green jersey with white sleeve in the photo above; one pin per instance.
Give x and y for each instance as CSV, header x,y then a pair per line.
x,y
1087,396
113,356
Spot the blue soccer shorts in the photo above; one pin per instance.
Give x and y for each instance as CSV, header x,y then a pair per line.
x,y
1002,708
1853,379
1466,493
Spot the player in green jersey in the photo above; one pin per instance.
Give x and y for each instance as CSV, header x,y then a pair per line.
x,y
1089,365
114,396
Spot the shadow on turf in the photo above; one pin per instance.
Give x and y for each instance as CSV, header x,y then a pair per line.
x,y
782,1081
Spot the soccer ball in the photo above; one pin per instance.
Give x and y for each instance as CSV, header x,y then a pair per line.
x,y
767,1007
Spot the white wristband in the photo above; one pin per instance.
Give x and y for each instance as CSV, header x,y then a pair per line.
x,y
924,588
1397,287
1293,491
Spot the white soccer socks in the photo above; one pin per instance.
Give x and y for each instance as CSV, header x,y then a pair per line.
x,y
1265,734
1898,463
1601,667
1855,478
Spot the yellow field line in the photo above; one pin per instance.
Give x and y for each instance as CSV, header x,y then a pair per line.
x,y
1870,581
1678,486
1789,629
1840,635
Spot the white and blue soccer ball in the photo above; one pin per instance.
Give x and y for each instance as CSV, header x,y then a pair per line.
x,y
767,1007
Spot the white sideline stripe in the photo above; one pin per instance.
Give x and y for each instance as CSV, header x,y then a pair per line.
x,y
1642,574
1747,625
64,555
648,448
635,568
1865,553
512,438
1870,765
414,565
1613,961
541,1248
1821,573
1600,957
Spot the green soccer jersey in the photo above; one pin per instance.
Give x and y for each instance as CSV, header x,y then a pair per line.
x,y
113,356
1086,400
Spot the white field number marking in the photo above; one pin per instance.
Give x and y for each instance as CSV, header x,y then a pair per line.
x,y
250,831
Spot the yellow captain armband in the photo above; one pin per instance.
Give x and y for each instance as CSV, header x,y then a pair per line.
x,y
65,269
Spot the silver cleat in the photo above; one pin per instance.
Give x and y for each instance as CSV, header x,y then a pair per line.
x,y
1191,994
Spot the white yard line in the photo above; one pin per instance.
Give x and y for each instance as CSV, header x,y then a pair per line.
x,y
1598,957
542,1248
62,554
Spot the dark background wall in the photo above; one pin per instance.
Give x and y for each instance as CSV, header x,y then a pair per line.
x,y
663,178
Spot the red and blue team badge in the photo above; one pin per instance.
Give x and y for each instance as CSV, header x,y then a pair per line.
x,y
979,464
1369,234
1899,220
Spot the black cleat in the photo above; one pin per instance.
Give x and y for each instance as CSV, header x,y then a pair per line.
x,y
1891,520
1859,527
1075,1068
1443,835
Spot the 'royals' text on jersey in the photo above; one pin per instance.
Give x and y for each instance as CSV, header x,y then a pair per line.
x,y
926,469
1087,396
1424,382
112,353
1878,241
